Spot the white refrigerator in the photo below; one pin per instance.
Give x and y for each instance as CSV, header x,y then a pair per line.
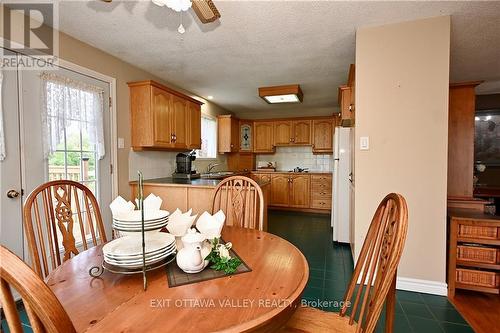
x,y
342,183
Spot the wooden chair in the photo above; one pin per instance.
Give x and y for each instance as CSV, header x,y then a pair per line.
x,y
44,311
376,268
50,213
242,200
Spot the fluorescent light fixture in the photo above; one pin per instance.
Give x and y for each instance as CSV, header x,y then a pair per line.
x,y
210,97
282,94
282,99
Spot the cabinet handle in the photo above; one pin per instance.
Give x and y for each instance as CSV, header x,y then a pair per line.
x,y
350,107
232,145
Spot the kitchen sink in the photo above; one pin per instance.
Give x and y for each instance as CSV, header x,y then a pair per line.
x,y
217,175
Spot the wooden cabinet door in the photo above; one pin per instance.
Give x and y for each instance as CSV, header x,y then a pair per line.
x,y
263,137
283,133
299,191
161,114
235,135
301,132
322,137
178,117
345,103
280,188
194,126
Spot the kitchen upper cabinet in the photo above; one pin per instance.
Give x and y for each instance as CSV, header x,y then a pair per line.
x,y
347,100
322,137
299,191
228,133
288,132
263,137
162,135
301,132
162,118
280,186
179,119
282,133
194,126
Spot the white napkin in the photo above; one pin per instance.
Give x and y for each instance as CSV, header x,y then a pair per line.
x,y
120,206
179,223
211,225
152,202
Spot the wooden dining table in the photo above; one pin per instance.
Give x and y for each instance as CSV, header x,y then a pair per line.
x,y
260,300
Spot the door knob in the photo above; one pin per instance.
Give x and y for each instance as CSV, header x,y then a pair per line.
x,y
12,194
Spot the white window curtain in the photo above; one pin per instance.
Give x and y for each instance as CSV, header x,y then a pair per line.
x,y
64,101
2,133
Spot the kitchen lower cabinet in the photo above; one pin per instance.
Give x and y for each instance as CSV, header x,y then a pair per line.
x,y
280,195
195,197
298,191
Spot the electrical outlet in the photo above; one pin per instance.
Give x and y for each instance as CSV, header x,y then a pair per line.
x,y
364,143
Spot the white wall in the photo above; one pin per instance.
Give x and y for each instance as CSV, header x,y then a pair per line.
x,y
402,78
288,158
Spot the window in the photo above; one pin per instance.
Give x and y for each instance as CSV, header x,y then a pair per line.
x,y
72,113
208,138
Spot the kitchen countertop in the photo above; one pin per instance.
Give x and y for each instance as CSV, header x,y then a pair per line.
x,y
291,172
199,182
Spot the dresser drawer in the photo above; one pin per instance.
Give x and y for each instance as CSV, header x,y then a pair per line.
x,y
321,186
321,203
478,278
321,178
474,231
478,254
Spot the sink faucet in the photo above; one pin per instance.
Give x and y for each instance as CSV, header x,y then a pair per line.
x,y
211,166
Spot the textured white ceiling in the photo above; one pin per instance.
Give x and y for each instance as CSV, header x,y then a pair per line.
x,y
264,43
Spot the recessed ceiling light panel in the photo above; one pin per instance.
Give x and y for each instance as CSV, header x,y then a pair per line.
x,y
282,94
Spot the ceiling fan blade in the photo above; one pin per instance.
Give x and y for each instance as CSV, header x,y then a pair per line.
x,y
205,10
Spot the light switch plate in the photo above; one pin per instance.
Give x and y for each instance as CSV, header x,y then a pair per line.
x,y
364,143
121,143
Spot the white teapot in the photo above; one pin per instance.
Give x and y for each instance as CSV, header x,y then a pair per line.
x,y
191,258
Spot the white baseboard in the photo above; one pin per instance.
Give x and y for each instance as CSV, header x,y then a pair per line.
x,y
422,286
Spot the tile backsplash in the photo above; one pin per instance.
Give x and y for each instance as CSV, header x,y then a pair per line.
x,y
288,158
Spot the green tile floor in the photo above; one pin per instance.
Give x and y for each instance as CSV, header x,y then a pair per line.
x,y
331,267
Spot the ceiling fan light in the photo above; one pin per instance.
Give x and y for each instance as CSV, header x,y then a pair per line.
x,y
160,3
178,5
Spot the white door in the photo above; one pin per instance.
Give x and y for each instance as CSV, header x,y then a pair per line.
x,y
74,159
11,229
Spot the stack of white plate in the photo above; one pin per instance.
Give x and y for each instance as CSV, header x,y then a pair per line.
x,y
126,251
131,221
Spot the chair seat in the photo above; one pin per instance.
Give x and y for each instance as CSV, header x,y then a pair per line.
x,y
311,320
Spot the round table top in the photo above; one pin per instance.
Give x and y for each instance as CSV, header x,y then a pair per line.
x,y
253,301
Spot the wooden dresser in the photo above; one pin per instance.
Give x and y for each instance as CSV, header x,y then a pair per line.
x,y
474,251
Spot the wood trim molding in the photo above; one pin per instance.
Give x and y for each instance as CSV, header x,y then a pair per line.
x,y
465,84
167,89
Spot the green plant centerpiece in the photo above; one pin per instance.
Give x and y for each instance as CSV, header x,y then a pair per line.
x,y
220,258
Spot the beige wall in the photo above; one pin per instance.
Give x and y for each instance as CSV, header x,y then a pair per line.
x,y
402,74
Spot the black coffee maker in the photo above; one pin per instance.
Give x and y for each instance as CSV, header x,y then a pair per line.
x,y
183,163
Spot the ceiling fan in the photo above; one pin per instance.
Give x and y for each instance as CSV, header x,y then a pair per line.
x,y
204,9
